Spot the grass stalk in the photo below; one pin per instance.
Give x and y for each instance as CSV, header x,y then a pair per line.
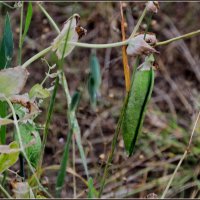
x,y
182,158
71,115
138,23
21,159
113,146
52,22
47,123
5,192
62,171
20,33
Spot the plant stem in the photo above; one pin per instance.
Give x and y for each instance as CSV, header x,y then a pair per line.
x,y
138,23
99,46
113,146
5,4
62,172
21,159
20,34
73,120
35,57
111,45
185,36
23,149
47,123
5,192
49,18
71,115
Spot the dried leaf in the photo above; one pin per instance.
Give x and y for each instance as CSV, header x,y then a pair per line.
x,y
26,102
8,149
5,121
73,31
147,64
22,190
12,81
153,6
139,46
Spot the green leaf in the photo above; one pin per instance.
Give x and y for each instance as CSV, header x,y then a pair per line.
x,y
12,80
92,193
7,160
140,94
3,113
30,134
62,172
94,81
6,47
92,91
95,70
6,52
75,101
39,92
27,21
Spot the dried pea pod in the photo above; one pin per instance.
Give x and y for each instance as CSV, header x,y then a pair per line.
x,y
139,96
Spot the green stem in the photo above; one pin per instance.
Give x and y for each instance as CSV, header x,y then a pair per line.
x,y
111,45
5,4
21,159
113,146
73,120
185,36
48,119
49,18
20,34
5,192
99,46
35,57
71,115
138,23
23,149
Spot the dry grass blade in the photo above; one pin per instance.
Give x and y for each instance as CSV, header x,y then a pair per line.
x,y
182,158
124,55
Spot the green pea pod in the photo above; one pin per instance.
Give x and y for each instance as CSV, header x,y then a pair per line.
x,y
139,96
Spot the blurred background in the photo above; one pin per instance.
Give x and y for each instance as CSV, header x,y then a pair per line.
x,y
171,113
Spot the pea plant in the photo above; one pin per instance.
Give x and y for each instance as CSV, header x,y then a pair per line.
x,y
20,110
